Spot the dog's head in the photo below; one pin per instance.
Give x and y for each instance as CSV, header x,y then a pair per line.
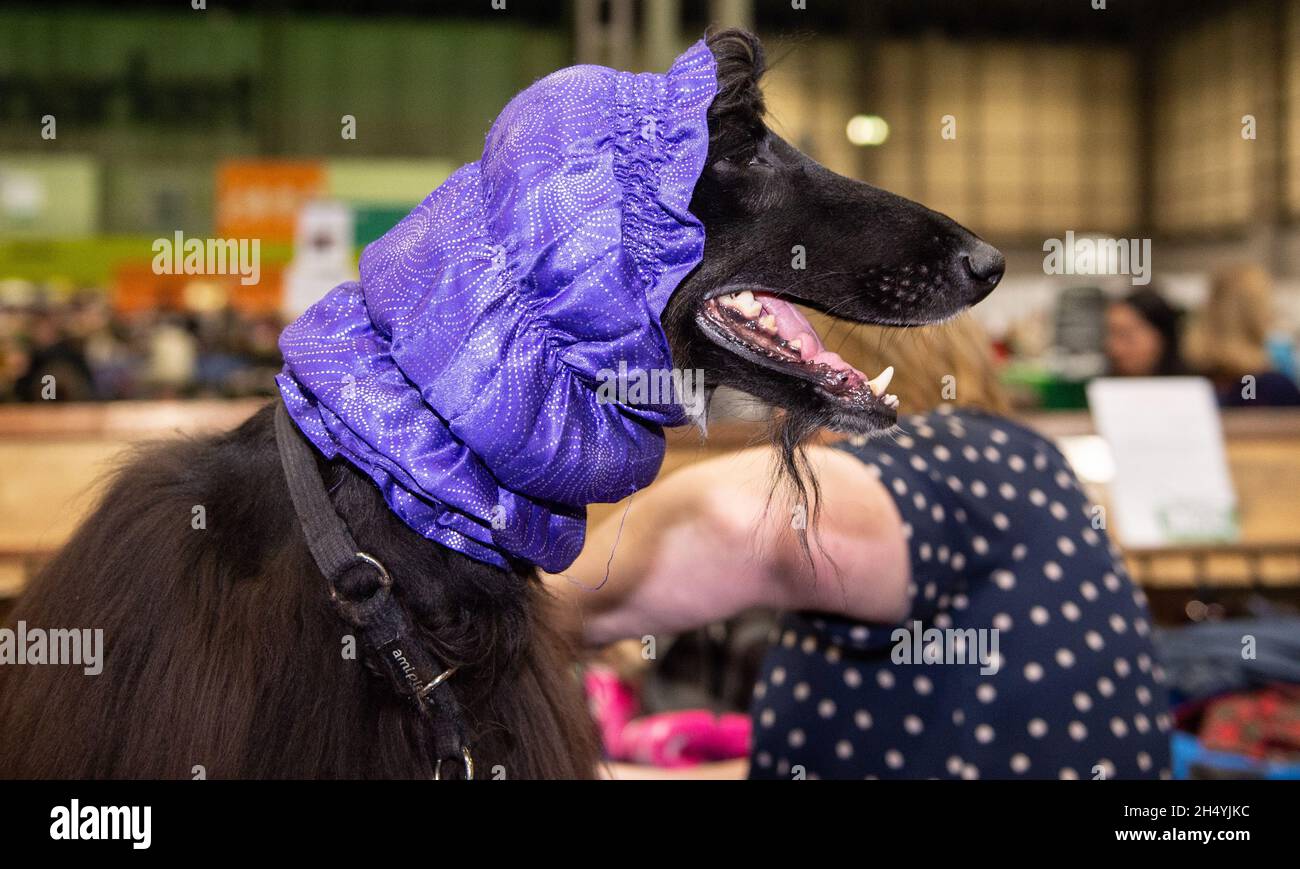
x,y
782,232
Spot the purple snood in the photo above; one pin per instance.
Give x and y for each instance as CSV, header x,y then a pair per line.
x,y
461,372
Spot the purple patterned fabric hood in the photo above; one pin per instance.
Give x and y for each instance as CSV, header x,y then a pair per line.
x,y
461,372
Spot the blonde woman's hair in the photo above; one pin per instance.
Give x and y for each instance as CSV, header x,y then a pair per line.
x,y
1231,332
947,364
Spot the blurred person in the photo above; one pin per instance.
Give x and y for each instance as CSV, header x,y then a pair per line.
x,y
1230,342
56,365
961,533
173,357
1144,336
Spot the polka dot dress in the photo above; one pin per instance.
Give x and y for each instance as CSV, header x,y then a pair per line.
x,y
1033,656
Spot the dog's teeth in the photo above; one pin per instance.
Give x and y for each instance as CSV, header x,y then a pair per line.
x,y
796,345
891,401
767,323
881,381
748,305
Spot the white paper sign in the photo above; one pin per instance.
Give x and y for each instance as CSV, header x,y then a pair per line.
x,y
1171,482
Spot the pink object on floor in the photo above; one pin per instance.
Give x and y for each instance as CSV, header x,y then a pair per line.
x,y
667,739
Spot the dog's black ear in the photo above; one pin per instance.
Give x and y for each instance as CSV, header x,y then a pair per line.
x,y
736,115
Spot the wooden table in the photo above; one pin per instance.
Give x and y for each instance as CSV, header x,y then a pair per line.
x,y
53,460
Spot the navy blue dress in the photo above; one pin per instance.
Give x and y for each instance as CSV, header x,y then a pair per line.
x,y
1027,653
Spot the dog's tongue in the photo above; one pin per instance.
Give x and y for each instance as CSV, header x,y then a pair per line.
x,y
792,325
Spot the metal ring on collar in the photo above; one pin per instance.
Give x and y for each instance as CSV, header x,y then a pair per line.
x,y
385,578
436,681
466,758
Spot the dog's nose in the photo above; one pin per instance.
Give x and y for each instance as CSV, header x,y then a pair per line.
x,y
984,262
984,265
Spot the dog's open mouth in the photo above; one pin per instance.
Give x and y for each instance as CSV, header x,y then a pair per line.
x,y
773,332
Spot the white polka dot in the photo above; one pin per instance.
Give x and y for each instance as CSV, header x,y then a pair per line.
x,y
1037,498
1117,623
1038,615
885,679
1019,763
992,454
852,678
970,772
912,724
954,765
1067,774
1070,610
778,676
986,693
1007,491
1094,641
980,545
1088,590
941,453
1002,622
1053,571
826,708
1077,731
1144,761
978,489
984,734
1066,545
796,738
1033,671
894,759
899,486
1105,687
1019,551
767,717
1118,727
1058,511
1037,728
862,718
1005,579
918,463
801,691
1122,668
1001,522
1065,658
1016,464
809,644
922,685
844,749
1082,701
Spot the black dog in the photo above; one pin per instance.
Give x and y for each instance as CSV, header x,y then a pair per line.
x,y
222,650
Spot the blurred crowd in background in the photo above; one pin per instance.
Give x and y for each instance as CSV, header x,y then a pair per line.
x,y
98,353
94,353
